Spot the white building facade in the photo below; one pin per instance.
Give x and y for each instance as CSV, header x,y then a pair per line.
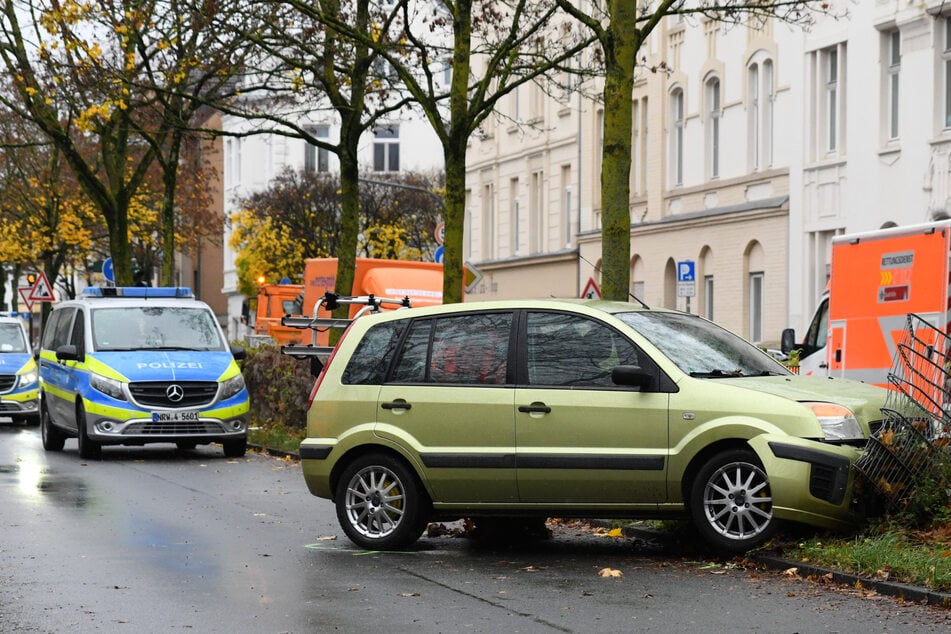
x,y
252,162
756,146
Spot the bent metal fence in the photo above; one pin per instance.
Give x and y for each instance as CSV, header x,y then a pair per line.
x,y
916,418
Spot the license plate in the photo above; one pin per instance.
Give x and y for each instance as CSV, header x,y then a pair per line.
x,y
175,417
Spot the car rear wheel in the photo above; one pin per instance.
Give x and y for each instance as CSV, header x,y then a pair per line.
x,y
88,449
380,503
731,503
53,438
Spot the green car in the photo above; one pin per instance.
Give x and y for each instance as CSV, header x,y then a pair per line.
x,y
561,408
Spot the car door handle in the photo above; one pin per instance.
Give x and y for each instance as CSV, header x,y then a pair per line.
x,y
396,405
531,409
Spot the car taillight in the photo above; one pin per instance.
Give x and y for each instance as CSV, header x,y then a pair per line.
x,y
323,371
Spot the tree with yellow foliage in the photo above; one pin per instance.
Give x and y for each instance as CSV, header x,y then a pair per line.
x,y
127,78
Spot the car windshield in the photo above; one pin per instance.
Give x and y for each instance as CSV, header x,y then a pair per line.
x,y
701,348
154,328
11,338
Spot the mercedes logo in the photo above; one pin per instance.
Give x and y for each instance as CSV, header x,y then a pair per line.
x,y
174,392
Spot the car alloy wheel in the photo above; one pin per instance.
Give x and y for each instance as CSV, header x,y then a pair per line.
x,y
380,504
731,502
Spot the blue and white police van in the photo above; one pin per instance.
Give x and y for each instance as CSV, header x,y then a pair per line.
x,y
19,381
136,365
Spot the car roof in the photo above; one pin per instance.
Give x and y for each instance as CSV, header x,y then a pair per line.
x,y
589,306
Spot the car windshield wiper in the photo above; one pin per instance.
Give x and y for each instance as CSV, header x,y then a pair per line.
x,y
717,374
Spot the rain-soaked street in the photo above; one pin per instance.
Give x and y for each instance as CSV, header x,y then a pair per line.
x,y
154,540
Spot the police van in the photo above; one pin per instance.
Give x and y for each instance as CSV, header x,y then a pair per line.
x,y
19,384
137,365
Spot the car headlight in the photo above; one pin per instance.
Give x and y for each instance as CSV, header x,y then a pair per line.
x,y
109,387
28,378
837,422
232,386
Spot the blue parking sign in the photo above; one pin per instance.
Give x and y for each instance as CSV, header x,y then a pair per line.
x,y
686,271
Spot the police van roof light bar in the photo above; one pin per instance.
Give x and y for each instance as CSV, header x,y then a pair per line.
x,y
140,292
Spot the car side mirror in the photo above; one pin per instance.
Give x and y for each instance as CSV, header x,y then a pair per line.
x,y
632,375
787,341
67,352
238,352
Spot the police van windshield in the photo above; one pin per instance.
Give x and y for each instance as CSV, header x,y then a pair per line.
x,y
154,328
11,338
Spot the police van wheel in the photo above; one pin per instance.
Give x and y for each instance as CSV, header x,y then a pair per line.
x,y
53,438
235,448
88,449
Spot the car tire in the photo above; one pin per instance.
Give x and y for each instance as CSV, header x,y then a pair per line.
x,y
381,505
235,448
88,449
53,437
730,502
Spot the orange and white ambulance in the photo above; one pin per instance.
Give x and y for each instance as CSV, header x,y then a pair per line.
x,y
876,279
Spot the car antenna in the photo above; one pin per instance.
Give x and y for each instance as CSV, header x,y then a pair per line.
x,y
632,295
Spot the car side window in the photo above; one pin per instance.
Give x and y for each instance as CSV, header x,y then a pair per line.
x,y
50,329
62,328
373,355
565,350
471,349
77,337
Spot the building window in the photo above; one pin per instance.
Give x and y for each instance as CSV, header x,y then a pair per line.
x,y
676,137
892,72
566,202
768,104
386,149
713,127
708,297
756,306
946,59
317,159
488,221
760,102
536,209
514,213
832,98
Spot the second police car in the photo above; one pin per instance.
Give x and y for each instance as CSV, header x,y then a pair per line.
x,y
136,365
19,386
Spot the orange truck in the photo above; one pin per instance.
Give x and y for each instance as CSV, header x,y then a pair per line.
x,y
421,282
876,280
275,301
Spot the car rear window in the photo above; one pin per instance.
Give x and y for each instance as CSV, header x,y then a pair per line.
x,y
374,353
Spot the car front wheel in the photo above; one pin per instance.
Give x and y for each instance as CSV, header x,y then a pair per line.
x,y
731,503
53,438
380,503
88,449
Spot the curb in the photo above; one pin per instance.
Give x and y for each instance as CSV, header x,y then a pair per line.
x,y
808,571
888,588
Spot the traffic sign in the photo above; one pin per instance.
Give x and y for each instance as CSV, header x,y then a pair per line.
x,y
471,277
439,254
591,290
440,233
686,279
25,296
686,271
41,291
109,271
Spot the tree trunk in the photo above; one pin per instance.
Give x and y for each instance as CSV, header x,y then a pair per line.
x,y
620,55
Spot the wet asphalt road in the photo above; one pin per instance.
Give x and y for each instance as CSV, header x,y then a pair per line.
x,y
156,540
